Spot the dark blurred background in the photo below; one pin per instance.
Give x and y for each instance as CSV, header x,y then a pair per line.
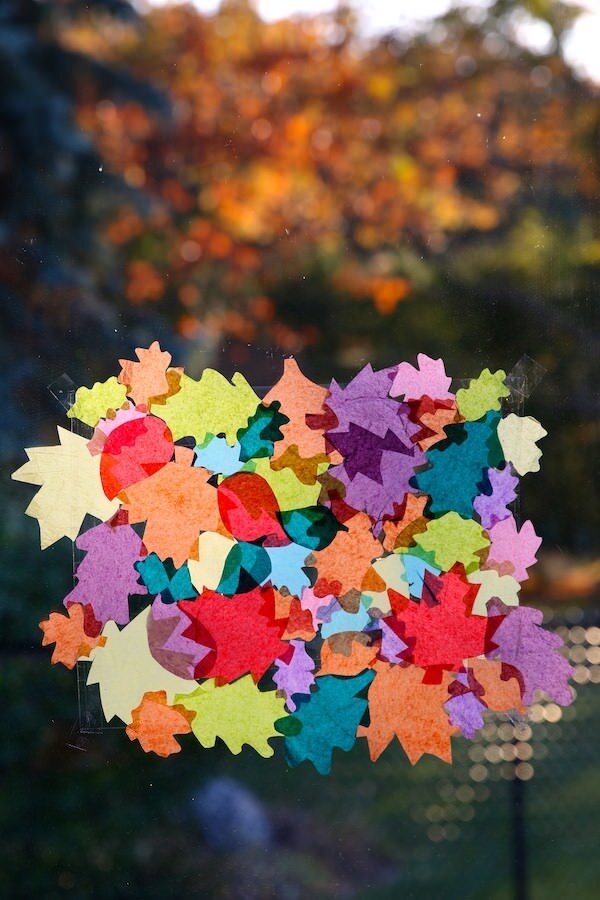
x,y
244,189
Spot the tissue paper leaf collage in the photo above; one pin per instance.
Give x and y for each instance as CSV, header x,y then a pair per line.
x,y
307,570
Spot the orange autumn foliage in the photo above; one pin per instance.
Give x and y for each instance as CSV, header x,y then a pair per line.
x,y
289,153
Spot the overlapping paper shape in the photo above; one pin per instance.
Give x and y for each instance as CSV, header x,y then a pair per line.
x,y
309,568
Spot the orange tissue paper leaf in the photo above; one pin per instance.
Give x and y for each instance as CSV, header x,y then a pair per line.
x,y
176,503
345,564
154,724
499,693
146,378
69,634
299,398
402,706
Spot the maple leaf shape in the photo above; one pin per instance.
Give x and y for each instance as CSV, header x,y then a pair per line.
x,y
329,719
512,551
238,713
491,507
401,705
146,378
106,576
300,398
70,487
93,404
176,503
457,465
210,406
241,632
70,636
482,395
154,724
380,498
365,400
294,672
428,378
522,642
125,670
440,631
518,436
345,564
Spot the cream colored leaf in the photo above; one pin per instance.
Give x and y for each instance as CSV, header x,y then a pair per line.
x,y
125,669
69,477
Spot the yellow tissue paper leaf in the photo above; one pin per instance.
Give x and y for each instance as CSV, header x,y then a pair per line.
x,y
452,539
125,670
482,395
518,436
93,404
238,713
206,571
212,405
504,587
70,487
290,492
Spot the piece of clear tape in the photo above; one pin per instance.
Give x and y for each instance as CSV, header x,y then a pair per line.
x,y
525,376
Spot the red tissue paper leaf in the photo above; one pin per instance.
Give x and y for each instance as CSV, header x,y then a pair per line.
x,y
241,631
440,631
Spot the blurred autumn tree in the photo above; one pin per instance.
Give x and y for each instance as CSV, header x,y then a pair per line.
x,y
366,200
312,190
297,150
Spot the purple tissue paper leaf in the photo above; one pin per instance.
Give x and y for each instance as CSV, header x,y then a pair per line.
x,y
466,712
429,380
492,507
377,498
175,653
295,676
106,576
365,401
533,651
